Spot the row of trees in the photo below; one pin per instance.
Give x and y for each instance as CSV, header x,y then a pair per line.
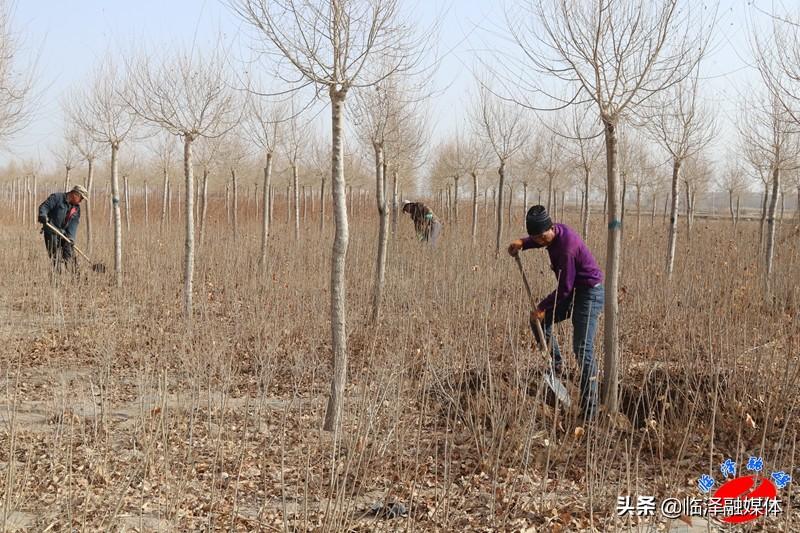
x,y
609,79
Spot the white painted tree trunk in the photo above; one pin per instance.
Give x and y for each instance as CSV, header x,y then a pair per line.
x,y
188,259
613,253
383,233
117,216
89,186
776,183
333,412
66,177
675,199
265,215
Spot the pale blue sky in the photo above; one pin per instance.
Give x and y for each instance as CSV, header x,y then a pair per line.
x,y
71,36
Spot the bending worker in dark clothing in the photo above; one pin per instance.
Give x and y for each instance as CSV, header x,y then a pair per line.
x,y
62,210
427,226
580,294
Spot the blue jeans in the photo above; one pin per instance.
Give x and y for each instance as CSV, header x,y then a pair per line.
x,y
584,307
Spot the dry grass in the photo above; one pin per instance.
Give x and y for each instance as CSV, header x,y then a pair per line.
x,y
114,418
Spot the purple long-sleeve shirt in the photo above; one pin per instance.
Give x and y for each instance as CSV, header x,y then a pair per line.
x,y
572,263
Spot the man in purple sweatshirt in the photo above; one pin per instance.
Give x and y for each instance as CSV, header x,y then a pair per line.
x,y
579,295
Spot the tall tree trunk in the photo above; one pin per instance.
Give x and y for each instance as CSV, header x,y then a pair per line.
x,y
776,184
333,411
549,192
265,215
383,231
474,205
605,203
117,216
89,187
68,168
613,253
502,173
736,218
673,215
188,260
164,198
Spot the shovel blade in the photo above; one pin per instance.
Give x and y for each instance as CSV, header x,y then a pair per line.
x,y
558,388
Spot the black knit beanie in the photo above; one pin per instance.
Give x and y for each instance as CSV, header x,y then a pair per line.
x,y
537,220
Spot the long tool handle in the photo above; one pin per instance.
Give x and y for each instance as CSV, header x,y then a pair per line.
x,y
58,232
535,324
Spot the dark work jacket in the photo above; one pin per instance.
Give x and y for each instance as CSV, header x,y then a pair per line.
x,y
56,208
423,219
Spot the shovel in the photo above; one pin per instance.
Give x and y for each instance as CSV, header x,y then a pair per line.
x,y
550,379
97,267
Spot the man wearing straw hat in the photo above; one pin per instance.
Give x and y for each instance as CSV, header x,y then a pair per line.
x,y
580,295
62,210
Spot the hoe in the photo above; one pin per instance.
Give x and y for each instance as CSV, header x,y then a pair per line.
x,y
97,267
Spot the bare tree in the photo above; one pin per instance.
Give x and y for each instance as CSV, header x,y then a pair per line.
x,y
615,54
732,180
206,155
333,45
586,149
470,157
503,125
771,142
87,150
189,96
16,80
682,128
163,149
66,154
264,122
103,113
293,143
381,114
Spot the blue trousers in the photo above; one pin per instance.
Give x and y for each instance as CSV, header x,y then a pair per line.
x,y
584,307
